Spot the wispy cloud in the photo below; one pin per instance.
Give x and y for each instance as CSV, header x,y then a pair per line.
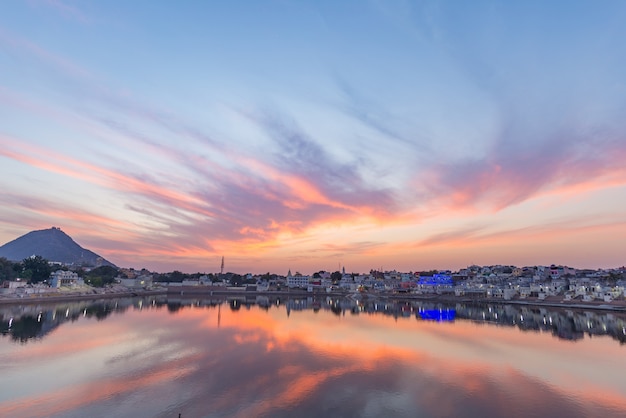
x,y
65,9
512,173
465,127
481,235
32,51
298,154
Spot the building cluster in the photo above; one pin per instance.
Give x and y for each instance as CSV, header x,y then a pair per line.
x,y
134,279
485,282
497,282
541,282
60,279
480,282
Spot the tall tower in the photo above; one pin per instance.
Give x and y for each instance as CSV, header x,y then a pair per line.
x,y
222,266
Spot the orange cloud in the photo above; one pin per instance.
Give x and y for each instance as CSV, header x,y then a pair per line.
x,y
43,158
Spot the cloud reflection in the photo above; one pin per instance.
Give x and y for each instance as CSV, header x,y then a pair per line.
x,y
254,362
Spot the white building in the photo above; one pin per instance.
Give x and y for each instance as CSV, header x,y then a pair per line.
x,y
65,278
297,280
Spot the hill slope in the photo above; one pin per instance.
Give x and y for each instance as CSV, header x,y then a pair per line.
x,y
53,245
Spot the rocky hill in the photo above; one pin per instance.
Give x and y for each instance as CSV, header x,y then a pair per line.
x,y
53,245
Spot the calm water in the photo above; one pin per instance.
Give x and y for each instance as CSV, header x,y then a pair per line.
x,y
308,358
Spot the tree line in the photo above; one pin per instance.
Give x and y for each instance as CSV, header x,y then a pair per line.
x,y
37,269
34,269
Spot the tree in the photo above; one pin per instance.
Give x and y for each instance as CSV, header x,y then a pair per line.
x,y
99,310
101,276
177,276
236,280
36,269
613,278
335,277
7,270
25,328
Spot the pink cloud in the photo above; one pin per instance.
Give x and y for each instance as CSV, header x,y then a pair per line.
x,y
506,178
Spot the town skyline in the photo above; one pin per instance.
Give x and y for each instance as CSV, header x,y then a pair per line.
x,y
309,135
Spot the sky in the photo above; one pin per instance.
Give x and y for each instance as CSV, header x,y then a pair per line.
x,y
314,135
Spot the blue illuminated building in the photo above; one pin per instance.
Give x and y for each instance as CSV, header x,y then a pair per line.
x,y
439,315
436,280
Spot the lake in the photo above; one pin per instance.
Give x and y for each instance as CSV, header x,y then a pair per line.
x,y
262,356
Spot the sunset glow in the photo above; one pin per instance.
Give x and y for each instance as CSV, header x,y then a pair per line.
x,y
309,135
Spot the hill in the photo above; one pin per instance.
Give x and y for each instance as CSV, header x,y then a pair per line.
x,y
53,245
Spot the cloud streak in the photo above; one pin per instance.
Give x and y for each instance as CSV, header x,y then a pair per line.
x,y
186,169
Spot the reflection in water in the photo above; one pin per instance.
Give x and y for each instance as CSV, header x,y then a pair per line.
x,y
265,356
439,315
24,322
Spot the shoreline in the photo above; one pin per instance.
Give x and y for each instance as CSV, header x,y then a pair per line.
x,y
78,297
190,292
615,306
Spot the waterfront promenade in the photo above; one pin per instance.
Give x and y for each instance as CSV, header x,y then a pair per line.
x,y
208,291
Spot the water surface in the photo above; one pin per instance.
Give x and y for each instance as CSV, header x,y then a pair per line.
x,y
245,357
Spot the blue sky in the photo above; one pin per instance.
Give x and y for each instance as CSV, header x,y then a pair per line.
x,y
308,135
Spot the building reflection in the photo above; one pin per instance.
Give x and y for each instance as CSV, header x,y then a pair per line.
x,y
25,322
